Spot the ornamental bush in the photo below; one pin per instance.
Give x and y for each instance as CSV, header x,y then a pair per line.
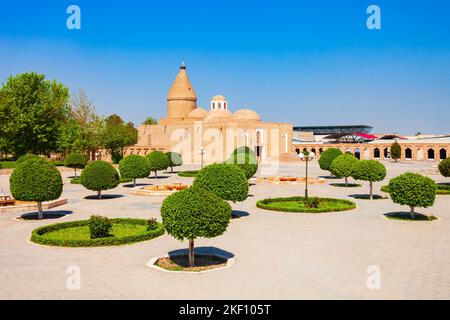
x,y
174,159
369,170
134,167
342,166
444,167
157,161
413,190
245,159
36,180
99,227
327,158
396,151
75,161
27,157
98,176
227,181
195,213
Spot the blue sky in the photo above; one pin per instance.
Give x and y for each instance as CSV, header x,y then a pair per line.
x,y
303,62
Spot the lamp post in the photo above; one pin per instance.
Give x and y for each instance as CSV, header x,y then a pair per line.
x,y
202,153
306,157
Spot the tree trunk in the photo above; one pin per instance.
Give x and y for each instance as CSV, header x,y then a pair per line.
x,y
75,173
191,253
371,191
134,183
40,212
413,213
346,181
171,169
156,174
99,194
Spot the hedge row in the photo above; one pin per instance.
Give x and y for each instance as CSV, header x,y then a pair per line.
x,y
265,204
188,174
38,235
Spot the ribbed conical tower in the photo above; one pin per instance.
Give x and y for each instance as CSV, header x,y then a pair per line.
x,y
181,98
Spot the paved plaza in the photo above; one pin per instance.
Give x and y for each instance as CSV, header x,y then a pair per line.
x,y
277,255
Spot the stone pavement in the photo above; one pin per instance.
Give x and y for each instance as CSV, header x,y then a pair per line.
x,y
278,255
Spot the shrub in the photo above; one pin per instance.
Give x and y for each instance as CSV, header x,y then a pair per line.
x,y
75,161
152,224
444,167
134,167
245,159
174,159
193,213
189,174
98,176
157,161
342,166
27,157
327,158
36,180
227,181
413,190
396,151
369,170
99,227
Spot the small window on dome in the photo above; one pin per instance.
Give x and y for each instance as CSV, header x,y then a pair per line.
x,y
225,105
213,105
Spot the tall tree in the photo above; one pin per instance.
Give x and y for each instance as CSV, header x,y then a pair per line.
x,y
32,110
150,121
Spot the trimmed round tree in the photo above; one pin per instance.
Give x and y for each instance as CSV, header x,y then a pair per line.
x,y
75,161
174,159
36,180
227,181
342,166
157,161
327,158
444,167
195,213
27,157
413,190
134,167
245,159
396,151
369,170
99,176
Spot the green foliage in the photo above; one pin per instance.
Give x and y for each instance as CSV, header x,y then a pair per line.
x,y
40,235
27,157
195,213
342,166
158,161
369,170
188,174
174,159
75,161
327,158
36,180
299,204
413,190
32,110
227,181
396,151
99,227
99,176
134,167
150,121
121,180
245,159
444,167
152,224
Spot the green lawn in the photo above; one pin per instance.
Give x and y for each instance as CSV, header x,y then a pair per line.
x,y
297,204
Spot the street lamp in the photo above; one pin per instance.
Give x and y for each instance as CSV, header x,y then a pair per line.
x,y
307,157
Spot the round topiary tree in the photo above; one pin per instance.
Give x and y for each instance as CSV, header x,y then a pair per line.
x,y
327,158
174,159
396,151
98,176
369,170
134,167
342,166
245,159
36,180
227,181
444,167
413,190
157,161
75,161
193,213
28,157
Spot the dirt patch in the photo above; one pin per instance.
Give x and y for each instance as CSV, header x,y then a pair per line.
x,y
181,263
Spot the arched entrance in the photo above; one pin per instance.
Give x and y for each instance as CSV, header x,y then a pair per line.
x,y
320,150
376,153
386,153
313,150
442,154
430,154
297,151
408,154
358,153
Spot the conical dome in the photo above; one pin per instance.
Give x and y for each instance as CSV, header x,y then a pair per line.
x,y
181,99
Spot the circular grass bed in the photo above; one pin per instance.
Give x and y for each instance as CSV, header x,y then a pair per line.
x,y
181,263
188,174
405,216
122,180
76,234
348,185
298,204
441,189
367,197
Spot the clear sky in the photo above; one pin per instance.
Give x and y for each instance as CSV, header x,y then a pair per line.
x,y
303,62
